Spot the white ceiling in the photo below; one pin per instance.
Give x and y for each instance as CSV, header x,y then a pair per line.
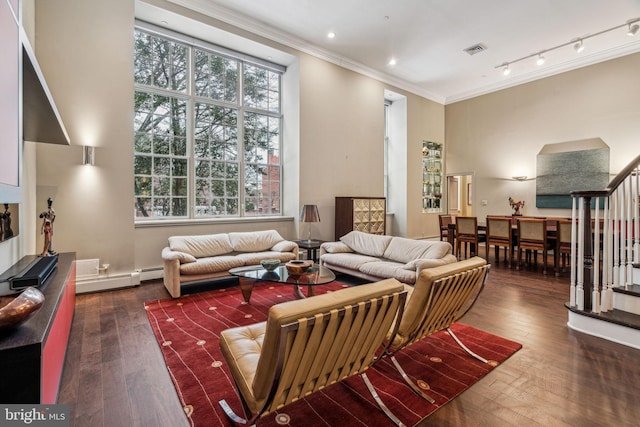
x,y
427,37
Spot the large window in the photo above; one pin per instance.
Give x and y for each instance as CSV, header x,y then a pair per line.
x,y
207,131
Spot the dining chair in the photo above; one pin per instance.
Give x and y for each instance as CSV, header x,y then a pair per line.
x,y
532,236
467,233
563,245
500,234
444,221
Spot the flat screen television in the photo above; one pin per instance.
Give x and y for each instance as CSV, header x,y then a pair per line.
x,y
10,97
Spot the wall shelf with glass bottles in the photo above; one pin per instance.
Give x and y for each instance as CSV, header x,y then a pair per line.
x,y
432,158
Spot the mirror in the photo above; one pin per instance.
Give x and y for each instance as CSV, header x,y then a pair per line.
x,y
9,221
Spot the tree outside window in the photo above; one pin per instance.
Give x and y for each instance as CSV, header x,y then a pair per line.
x,y
195,112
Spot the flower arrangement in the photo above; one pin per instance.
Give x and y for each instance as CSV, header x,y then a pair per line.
x,y
516,206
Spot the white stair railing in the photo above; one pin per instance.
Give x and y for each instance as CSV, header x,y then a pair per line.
x,y
605,240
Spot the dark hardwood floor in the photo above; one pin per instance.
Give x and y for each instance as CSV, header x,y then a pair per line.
x,y
114,373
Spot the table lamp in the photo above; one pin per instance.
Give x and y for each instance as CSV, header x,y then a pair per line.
x,y
309,213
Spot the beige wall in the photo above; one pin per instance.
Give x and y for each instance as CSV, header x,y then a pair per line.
x,y
84,49
333,132
498,135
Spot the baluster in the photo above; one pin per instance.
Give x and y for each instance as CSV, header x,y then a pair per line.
x,y
580,263
623,236
636,216
606,305
595,296
616,240
629,239
572,261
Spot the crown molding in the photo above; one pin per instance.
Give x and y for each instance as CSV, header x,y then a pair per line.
x,y
262,30
579,62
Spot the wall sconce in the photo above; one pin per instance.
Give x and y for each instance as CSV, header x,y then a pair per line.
x,y
309,213
88,155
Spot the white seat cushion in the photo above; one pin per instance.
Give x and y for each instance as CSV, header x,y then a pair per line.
x,y
388,269
405,250
348,260
254,241
365,243
201,246
211,265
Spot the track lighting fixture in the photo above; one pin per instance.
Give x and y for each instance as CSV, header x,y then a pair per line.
x,y
632,25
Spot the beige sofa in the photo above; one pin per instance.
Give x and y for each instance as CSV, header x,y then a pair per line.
x,y
374,257
190,260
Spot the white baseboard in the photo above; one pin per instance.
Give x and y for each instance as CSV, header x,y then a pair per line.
x,y
151,274
602,329
107,283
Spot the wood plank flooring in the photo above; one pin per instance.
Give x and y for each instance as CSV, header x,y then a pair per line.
x,y
114,373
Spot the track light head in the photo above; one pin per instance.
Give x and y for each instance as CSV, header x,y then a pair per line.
x,y
540,60
633,29
579,46
506,71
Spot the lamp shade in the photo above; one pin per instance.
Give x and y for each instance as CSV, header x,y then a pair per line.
x,y
309,213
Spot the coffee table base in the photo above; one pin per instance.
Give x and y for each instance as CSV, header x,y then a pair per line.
x,y
246,286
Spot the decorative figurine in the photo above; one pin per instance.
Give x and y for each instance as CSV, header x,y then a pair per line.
x,y
48,217
5,223
516,206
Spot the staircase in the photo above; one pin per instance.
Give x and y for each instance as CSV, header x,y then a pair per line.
x,y
604,299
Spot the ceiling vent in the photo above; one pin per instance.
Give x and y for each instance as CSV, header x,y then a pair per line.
x,y
476,48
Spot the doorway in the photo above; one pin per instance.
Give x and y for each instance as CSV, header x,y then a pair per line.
x,y
460,194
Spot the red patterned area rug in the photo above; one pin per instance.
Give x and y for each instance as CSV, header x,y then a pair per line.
x,y
188,328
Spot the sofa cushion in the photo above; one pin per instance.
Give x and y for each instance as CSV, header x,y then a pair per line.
x,y
382,268
254,258
211,264
201,246
169,255
335,247
405,250
429,263
348,260
254,241
367,244
284,246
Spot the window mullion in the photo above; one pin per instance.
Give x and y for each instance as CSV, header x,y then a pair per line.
x,y
241,156
191,133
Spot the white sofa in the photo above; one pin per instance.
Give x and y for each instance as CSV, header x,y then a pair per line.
x,y
375,257
191,260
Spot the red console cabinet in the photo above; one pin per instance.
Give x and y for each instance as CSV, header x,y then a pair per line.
x,y
32,354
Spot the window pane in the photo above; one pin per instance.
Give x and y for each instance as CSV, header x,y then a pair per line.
x,y
167,141
261,88
160,63
216,77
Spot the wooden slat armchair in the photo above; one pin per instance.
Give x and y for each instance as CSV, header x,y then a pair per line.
x,y
440,297
306,345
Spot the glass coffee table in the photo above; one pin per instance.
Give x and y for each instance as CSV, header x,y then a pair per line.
x,y
315,275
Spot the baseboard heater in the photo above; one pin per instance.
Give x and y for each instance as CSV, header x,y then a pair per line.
x,y
31,270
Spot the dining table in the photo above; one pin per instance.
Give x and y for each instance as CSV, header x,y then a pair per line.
x,y
552,232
